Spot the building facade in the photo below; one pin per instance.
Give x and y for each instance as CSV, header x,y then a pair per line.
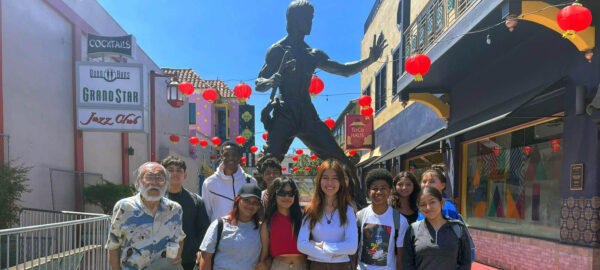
x,y
521,140
38,104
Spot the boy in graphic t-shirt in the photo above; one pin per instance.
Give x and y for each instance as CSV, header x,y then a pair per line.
x,y
381,227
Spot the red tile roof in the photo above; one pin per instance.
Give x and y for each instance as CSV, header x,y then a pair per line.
x,y
189,75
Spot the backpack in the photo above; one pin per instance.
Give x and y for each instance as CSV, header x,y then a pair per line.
x,y
219,232
360,220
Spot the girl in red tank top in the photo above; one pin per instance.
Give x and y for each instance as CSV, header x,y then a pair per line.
x,y
279,231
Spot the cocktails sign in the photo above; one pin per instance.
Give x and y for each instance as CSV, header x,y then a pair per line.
x,y
359,132
99,45
110,96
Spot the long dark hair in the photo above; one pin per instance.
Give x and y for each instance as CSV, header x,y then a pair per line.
x,y
295,210
235,214
314,210
395,198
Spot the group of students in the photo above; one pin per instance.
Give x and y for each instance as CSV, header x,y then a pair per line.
x,y
407,225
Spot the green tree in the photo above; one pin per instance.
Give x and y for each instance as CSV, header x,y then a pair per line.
x,y
106,194
12,186
304,161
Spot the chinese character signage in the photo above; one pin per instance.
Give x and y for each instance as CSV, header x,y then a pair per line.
x,y
359,132
110,97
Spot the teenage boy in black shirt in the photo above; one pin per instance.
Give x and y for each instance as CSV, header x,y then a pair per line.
x,y
195,219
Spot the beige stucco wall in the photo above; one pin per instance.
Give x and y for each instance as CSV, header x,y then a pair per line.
x,y
38,103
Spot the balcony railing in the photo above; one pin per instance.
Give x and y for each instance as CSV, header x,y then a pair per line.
x,y
374,9
435,20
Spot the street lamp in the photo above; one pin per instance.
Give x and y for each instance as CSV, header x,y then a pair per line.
x,y
153,76
174,97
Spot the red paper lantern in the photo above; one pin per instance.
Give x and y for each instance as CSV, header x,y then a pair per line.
x,y
244,159
240,139
307,169
329,122
213,157
364,101
295,169
253,149
316,86
352,152
555,141
366,112
265,135
497,151
203,143
242,91
313,157
284,169
186,88
210,95
574,18
295,158
299,152
527,150
216,141
318,168
412,169
174,139
194,140
555,147
418,65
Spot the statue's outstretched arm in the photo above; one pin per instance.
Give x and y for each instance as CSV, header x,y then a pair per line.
x,y
349,69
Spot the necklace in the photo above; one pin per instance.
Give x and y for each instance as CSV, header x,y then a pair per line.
x,y
330,217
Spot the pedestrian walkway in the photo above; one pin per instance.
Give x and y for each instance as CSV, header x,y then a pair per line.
x,y
479,266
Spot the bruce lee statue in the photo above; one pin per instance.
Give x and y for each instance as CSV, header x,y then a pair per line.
x,y
289,66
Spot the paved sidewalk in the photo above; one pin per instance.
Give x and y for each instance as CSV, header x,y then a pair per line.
x,y
479,266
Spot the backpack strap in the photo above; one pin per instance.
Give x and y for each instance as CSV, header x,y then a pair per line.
x,y
457,230
219,232
396,217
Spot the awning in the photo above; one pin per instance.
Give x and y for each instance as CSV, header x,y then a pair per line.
x,y
486,117
368,157
405,148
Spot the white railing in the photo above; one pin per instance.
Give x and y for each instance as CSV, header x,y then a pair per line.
x,y
55,240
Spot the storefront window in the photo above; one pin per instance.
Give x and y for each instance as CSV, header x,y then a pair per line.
x,y
513,181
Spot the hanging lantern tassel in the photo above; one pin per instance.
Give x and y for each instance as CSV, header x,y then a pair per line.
x,y
572,19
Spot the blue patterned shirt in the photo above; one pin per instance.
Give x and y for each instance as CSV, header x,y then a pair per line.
x,y
142,236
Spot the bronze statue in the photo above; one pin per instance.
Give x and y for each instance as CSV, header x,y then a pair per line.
x,y
289,66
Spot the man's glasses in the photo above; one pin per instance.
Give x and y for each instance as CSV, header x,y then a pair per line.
x,y
283,193
159,179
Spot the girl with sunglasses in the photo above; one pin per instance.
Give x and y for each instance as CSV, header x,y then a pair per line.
x,y
279,231
329,233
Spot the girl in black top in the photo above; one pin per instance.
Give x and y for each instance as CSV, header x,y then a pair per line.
x,y
404,195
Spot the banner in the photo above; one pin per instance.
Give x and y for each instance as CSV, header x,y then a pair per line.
x,y
359,132
246,121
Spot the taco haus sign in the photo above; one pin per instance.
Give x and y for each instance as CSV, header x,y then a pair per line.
x,y
110,97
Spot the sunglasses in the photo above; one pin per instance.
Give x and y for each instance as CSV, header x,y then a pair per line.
x,y
284,193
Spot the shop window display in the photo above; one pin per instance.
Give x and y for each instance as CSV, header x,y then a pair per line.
x,y
513,181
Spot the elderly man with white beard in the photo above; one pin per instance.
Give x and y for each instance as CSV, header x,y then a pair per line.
x,y
146,227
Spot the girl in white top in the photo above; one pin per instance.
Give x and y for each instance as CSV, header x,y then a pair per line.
x,y
329,233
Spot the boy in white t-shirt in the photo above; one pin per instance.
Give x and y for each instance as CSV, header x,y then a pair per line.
x,y
381,228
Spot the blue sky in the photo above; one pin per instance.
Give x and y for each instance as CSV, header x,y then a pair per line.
x,y
228,40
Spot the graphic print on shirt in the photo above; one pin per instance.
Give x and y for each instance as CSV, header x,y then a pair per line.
x,y
376,240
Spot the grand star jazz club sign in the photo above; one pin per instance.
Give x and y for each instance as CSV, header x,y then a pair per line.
x,y
110,97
